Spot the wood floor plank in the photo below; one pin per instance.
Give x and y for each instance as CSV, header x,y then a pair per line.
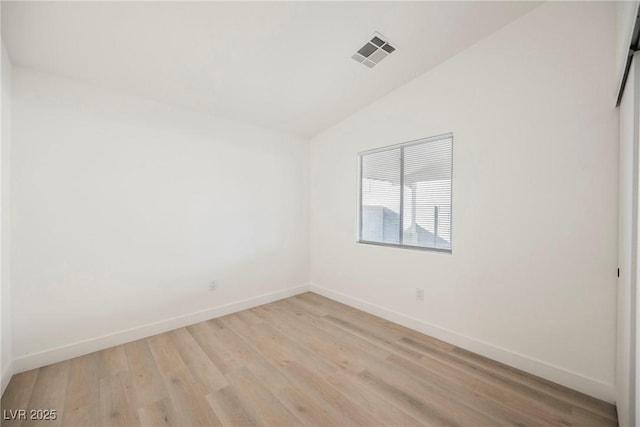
x,y
117,403
294,399
191,406
341,354
330,397
375,337
233,343
147,383
337,332
359,318
82,404
494,401
285,354
297,401
249,317
384,410
589,418
202,368
307,409
277,347
443,404
430,414
246,355
231,411
219,356
497,385
184,391
309,306
572,397
49,393
111,361
267,408
364,325
301,361
374,320
165,354
159,413
17,395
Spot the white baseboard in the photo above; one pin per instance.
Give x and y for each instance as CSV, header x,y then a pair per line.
x,y
5,377
542,369
69,351
559,375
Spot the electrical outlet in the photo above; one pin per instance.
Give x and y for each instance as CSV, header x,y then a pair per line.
x,y
420,294
213,285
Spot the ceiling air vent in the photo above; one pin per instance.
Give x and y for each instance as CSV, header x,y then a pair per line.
x,y
374,51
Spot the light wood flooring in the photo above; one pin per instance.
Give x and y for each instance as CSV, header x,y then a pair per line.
x,y
305,360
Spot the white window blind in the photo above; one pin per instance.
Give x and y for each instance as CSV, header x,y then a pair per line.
x,y
405,194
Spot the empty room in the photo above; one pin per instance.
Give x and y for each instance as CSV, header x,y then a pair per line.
x,y
319,213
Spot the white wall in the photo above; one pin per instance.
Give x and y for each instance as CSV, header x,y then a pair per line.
x,y
5,287
626,377
532,277
124,210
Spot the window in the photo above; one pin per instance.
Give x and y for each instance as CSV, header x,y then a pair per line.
x,y
405,194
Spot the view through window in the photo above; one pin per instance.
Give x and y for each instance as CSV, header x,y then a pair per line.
x,y
405,194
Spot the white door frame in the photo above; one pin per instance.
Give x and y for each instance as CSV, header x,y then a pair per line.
x,y
626,365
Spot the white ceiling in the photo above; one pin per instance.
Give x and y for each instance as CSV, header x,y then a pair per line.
x,y
281,65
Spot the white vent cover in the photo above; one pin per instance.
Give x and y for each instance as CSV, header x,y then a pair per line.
x,y
374,51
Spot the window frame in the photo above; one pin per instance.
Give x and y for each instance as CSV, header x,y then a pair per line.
x,y
402,146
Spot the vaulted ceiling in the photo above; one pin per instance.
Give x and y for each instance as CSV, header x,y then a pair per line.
x,y
281,65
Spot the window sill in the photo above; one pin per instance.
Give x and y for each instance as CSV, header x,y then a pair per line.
x,y
411,247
